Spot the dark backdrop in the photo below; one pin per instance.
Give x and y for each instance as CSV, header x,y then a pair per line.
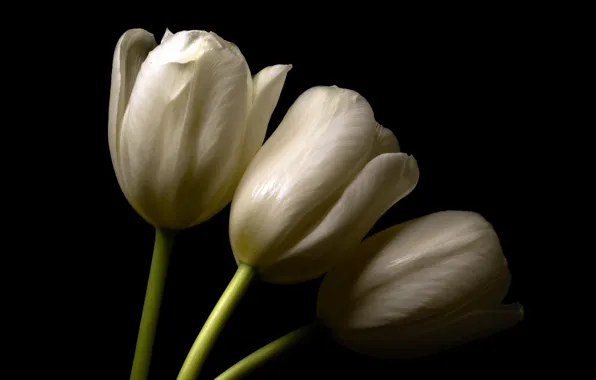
x,y
455,89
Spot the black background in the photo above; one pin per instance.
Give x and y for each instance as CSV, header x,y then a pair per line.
x,y
455,87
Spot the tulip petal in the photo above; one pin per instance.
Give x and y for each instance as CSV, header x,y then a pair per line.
x,y
471,326
385,142
383,182
234,49
131,50
166,35
323,142
183,128
420,287
389,342
267,85
184,47
225,194
416,271
228,44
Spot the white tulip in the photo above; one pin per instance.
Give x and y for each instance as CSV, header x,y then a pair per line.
x,y
420,287
317,186
185,120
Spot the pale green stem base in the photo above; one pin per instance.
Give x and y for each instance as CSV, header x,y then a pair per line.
x,y
164,240
266,353
219,316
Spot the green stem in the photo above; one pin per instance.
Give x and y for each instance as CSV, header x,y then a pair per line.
x,y
266,353
219,316
164,240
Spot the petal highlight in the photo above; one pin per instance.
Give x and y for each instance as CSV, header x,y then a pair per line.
x,y
383,182
322,143
182,132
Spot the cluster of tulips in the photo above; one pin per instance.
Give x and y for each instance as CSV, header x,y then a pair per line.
x,y
187,124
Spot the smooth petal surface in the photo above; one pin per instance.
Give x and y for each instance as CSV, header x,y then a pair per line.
x,y
267,86
383,181
131,50
234,49
225,193
415,271
183,128
389,342
420,287
323,142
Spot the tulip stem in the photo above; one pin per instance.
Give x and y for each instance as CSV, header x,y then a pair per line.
x,y
219,316
164,240
269,352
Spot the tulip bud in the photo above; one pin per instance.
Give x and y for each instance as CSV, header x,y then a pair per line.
x,y
317,186
420,287
185,120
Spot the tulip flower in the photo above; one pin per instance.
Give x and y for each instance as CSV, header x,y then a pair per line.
x,y
317,186
412,290
309,196
420,287
185,120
